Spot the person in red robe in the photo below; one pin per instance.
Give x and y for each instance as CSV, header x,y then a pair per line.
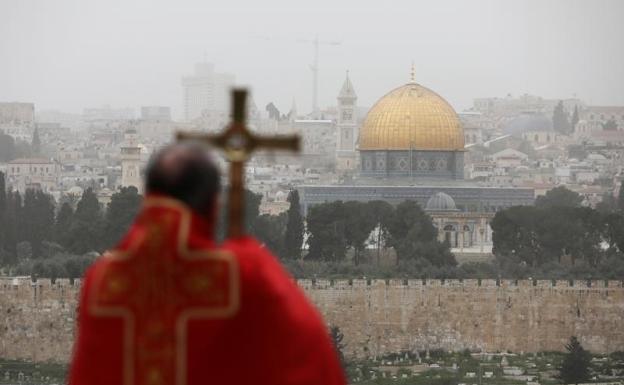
x,y
168,306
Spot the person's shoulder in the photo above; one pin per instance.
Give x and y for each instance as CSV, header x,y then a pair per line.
x,y
268,281
259,266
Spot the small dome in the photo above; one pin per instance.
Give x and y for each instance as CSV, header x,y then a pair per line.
x,y
441,202
528,122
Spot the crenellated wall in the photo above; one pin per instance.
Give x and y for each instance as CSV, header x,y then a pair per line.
x,y
37,318
376,316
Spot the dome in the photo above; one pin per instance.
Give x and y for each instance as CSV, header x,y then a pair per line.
x,y
411,117
528,122
440,202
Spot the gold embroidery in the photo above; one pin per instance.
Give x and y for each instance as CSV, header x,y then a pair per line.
x,y
156,289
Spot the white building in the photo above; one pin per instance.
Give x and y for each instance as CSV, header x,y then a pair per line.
x,y
156,113
206,91
131,161
509,158
107,113
17,120
319,142
37,173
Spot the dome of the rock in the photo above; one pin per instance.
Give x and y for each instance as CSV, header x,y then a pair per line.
x,y
412,132
411,117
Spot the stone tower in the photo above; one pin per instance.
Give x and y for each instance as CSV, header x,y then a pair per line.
x,y
131,161
346,127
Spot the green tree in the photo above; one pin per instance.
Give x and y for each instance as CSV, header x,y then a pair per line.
x,y
559,197
22,149
359,224
38,217
614,231
514,234
36,143
86,229
610,125
410,228
270,230
3,209
63,223
293,239
560,119
10,225
326,225
382,212
620,199
7,147
252,211
608,204
122,209
575,366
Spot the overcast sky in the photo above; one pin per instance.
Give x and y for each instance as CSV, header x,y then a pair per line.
x,y
71,54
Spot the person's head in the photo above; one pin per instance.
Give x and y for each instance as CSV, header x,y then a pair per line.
x,y
186,172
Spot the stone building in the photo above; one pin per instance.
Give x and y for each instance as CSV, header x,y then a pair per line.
x,y
461,229
37,173
346,127
411,146
206,92
131,161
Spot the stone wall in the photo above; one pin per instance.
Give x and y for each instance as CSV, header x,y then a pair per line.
x,y
37,319
375,316
521,316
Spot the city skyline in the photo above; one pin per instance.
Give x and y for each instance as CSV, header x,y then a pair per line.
x,y
464,51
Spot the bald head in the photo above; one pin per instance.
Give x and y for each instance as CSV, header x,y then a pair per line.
x,y
187,172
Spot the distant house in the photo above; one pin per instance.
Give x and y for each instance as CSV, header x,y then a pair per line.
x,y
37,173
509,158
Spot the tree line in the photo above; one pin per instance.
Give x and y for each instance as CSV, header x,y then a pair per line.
x,y
556,238
559,232
37,235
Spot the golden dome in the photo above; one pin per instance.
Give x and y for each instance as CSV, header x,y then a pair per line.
x,y
411,116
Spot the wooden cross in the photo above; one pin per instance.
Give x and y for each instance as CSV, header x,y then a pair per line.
x,y
239,143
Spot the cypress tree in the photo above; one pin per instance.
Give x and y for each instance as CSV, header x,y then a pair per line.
x,y
62,224
620,201
575,366
13,206
38,219
575,118
86,229
293,239
36,143
3,208
121,211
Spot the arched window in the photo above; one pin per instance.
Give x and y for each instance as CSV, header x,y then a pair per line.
x,y
450,235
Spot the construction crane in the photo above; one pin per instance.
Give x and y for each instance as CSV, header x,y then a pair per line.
x,y
314,66
315,69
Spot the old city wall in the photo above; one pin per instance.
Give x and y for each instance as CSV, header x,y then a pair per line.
x,y
375,316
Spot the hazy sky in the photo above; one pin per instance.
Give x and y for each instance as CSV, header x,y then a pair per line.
x,y
71,54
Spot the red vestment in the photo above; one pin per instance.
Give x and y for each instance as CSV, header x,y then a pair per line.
x,y
170,307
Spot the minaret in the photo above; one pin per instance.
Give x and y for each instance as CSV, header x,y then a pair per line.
x,y
131,161
347,130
